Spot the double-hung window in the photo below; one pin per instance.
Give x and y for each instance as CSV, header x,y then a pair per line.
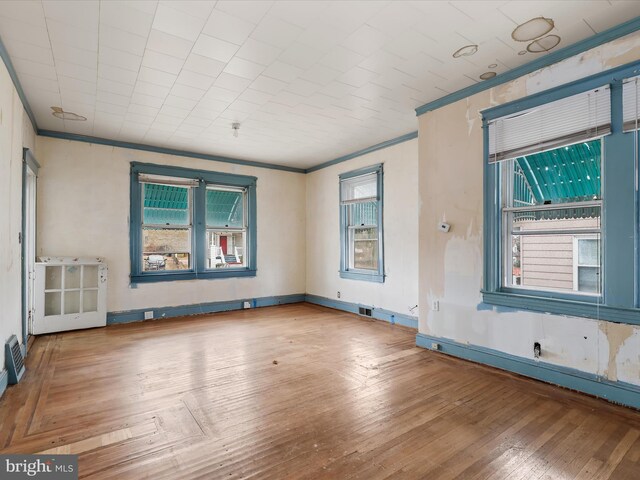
x,y
361,225
544,199
188,224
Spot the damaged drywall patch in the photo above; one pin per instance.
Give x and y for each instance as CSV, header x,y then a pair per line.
x,y
616,334
471,117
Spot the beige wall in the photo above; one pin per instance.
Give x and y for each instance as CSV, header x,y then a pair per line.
x,y
399,292
450,266
16,132
83,209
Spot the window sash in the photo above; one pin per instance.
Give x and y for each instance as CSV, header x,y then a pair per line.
x,y
631,104
244,198
169,224
352,245
188,251
573,119
245,255
359,189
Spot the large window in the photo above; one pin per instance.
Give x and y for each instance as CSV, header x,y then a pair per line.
x,y
561,183
188,224
361,224
551,212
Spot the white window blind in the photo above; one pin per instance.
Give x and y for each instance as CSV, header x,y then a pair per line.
x,y
363,188
164,180
631,104
569,120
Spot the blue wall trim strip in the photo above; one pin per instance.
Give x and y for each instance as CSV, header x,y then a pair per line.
x,y
618,31
4,54
201,308
4,381
167,151
359,153
377,313
617,392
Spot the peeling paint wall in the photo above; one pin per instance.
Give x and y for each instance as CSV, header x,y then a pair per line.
x,y
16,132
450,265
83,210
399,292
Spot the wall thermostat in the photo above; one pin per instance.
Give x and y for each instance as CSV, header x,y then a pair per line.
x,y
444,227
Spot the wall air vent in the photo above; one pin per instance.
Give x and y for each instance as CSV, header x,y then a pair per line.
x,y
14,360
364,311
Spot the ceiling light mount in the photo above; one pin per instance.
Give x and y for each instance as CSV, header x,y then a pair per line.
x,y
487,75
61,114
465,51
532,29
235,126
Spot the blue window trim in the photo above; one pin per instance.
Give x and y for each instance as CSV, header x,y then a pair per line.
x,y
199,270
620,216
345,272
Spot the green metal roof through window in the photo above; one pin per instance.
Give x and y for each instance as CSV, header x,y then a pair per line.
x,y
570,173
169,205
565,174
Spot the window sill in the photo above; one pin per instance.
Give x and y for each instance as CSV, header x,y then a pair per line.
x,y
563,306
367,277
170,277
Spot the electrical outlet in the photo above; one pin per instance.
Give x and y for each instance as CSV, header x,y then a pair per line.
x,y
148,315
435,305
435,346
247,304
338,294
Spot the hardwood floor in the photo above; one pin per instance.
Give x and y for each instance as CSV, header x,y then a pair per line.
x,y
303,392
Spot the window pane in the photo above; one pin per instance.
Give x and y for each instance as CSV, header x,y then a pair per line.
x,y
589,279
225,208
166,248
90,301
365,213
588,251
566,174
52,303
53,278
72,277
72,302
365,248
226,249
165,205
357,188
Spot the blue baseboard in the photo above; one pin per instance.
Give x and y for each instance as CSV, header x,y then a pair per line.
x,y
377,313
4,381
201,308
617,392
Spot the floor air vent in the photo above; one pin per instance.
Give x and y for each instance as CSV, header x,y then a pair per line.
x,y
14,360
364,311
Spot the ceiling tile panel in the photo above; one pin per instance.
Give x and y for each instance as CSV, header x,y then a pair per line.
x,y
214,48
177,22
228,28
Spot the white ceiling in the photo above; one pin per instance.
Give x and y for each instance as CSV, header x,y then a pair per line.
x,y
309,81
